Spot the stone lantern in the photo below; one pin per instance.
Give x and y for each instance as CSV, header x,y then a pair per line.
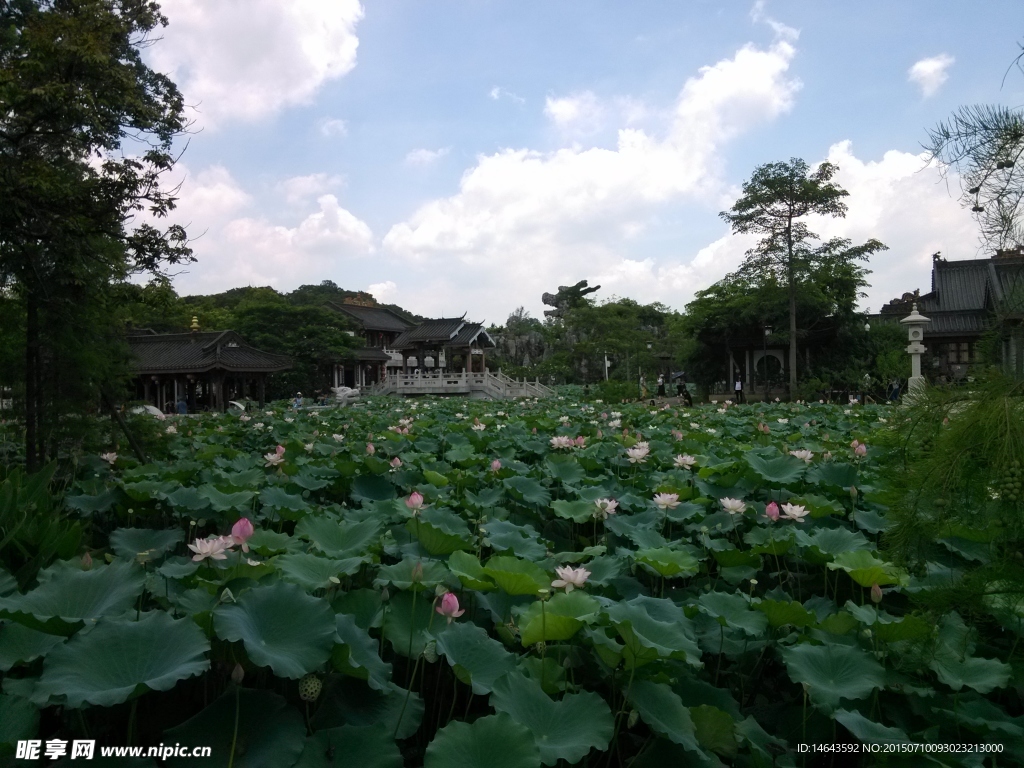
x,y
915,323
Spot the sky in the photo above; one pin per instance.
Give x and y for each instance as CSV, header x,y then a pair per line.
x,y
465,156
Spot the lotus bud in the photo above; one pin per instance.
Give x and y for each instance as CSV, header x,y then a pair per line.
x,y
86,561
417,573
237,674
876,594
853,492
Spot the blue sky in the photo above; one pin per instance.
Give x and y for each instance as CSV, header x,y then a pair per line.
x,y
467,155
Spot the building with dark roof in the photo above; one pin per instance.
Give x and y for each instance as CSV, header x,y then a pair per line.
x,y
379,327
205,369
453,343
970,300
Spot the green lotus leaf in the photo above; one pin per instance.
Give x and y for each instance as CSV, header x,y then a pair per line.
x,y
866,569
406,574
517,577
564,730
836,541
715,730
408,618
20,645
66,595
521,540
528,489
187,499
668,563
270,732
955,665
119,658
781,613
780,469
565,468
577,511
339,538
347,701
351,746
834,473
663,711
868,731
19,719
282,502
240,501
357,654
653,628
281,627
129,543
559,618
268,542
495,741
314,572
372,488
467,567
833,672
8,583
478,660
89,504
733,610
440,531
436,479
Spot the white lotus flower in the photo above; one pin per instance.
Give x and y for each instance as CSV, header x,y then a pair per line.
x,y
734,506
684,461
666,501
794,512
570,578
803,454
604,508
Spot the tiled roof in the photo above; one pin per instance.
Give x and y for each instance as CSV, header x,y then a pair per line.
x,y
440,331
472,333
200,352
954,324
961,285
372,318
371,355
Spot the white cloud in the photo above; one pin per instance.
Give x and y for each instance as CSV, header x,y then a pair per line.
x,y
930,74
235,245
758,16
300,189
332,127
534,220
497,93
577,112
426,156
383,292
247,59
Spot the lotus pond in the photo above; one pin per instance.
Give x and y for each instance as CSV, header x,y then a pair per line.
x,y
464,584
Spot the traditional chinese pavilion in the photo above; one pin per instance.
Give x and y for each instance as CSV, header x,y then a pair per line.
x,y
379,327
206,369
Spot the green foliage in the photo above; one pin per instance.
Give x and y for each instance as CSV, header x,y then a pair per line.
x,y
691,635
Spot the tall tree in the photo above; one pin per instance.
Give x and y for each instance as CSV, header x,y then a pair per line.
x,y
774,203
86,132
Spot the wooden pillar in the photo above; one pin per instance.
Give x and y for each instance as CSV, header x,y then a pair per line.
x,y
263,389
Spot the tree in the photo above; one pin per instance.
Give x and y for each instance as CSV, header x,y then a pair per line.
x,y
774,200
984,144
86,132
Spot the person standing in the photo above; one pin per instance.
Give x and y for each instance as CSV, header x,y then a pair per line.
x,y
738,388
643,387
661,385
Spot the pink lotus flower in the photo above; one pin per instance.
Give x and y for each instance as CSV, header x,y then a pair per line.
x,y
762,427
581,441
241,531
861,450
570,578
275,458
396,463
854,444
605,507
876,594
495,466
449,607
666,501
370,449
213,548
677,435
110,458
414,502
562,442
772,511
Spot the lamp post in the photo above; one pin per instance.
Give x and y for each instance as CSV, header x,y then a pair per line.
x,y
764,359
915,323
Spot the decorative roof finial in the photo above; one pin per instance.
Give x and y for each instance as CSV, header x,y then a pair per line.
x,y
195,324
